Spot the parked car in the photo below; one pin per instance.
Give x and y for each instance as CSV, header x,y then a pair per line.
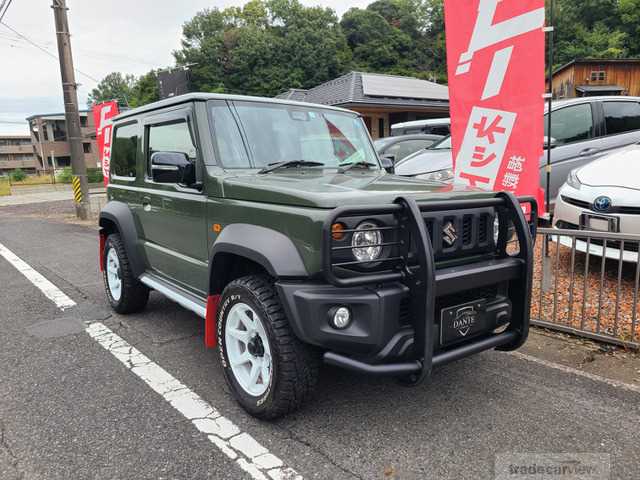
x,y
433,163
582,130
605,196
404,145
431,126
276,222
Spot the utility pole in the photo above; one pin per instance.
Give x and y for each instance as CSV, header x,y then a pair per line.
x,y
70,93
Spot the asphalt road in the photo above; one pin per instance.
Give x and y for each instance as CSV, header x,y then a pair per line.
x,y
70,410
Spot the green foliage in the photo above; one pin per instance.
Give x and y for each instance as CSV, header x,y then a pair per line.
x,y
268,46
65,175
94,175
18,175
128,90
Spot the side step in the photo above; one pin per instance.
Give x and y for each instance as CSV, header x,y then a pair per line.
x,y
178,295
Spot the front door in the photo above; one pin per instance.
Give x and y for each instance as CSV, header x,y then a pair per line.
x,y
173,217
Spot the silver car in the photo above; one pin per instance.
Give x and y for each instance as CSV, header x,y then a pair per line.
x,y
582,130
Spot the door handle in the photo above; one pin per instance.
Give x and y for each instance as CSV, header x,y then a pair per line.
x,y
588,151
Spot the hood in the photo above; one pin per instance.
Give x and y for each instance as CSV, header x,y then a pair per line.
x,y
328,189
425,161
619,169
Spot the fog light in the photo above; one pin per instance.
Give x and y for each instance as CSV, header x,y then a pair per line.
x,y
340,317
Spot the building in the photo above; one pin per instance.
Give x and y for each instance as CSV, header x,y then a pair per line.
x,y
591,76
383,100
49,140
16,151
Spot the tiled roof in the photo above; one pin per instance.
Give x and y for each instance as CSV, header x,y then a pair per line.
x,y
373,89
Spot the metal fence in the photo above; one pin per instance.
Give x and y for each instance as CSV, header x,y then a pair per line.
x,y
586,283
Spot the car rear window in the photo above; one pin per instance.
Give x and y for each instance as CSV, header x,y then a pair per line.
x,y
123,151
620,117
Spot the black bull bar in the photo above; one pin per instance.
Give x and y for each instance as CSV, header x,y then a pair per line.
x,y
426,283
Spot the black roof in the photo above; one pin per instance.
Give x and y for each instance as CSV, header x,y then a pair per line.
x,y
360,88
203,97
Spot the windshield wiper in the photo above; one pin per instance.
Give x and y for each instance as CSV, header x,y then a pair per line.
x,y
290,163
345,167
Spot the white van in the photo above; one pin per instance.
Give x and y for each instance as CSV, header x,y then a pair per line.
x,y
433,126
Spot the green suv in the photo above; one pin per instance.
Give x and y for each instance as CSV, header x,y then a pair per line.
x,y
278,224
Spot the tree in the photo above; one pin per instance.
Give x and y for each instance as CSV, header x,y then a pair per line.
x,y
114,86
263,48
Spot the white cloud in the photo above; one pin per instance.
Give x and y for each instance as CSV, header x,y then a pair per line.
x,y
131,36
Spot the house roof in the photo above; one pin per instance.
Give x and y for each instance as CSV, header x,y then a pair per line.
x,y
599,88
55,116
595,60
374,89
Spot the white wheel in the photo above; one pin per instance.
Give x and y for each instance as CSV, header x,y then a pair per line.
x,y
114,281
248,349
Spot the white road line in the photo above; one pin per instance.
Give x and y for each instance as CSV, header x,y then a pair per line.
x,y
52,292
239,446
575,371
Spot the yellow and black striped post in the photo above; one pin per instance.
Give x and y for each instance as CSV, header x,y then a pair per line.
x,y
77,191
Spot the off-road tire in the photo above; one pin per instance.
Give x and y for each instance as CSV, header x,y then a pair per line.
x,y
134,294
295,365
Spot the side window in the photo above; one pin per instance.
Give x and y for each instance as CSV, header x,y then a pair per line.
x,y
406,148
620,117
570,124
227,138
123,151
171,137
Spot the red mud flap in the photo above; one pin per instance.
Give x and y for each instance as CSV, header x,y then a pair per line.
x,y
210,337
103,239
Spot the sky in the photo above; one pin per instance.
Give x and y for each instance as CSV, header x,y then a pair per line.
x,y
131,36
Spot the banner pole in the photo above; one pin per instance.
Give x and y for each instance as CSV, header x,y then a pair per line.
x,y
549,103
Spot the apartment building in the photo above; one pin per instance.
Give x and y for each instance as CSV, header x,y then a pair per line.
x,y
49,140
16,151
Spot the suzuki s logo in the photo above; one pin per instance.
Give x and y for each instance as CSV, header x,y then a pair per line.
x,y
602,204
449,234
465,320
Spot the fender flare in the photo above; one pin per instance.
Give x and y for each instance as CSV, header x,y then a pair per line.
x,y
120,214
271,249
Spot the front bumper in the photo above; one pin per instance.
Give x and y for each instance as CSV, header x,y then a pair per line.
x,y
395,327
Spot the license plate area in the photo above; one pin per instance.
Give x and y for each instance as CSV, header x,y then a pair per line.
x,y
599,223
460,322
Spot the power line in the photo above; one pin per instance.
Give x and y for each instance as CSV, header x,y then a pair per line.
x,y
44,50
3,13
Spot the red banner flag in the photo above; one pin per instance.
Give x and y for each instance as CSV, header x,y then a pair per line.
x,y
495,57
102,114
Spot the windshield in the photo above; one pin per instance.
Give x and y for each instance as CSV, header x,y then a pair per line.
x,y
444,144
281,133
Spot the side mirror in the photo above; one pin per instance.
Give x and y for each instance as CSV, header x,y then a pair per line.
x,y
172,167
549,142
387,162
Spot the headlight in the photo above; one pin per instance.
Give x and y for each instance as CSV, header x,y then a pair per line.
x,y
437,176
573,180
366,242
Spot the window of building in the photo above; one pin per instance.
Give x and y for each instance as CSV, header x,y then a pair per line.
x,y
570,124
83,121
598,76
620,117
123,151
381,128
171,137
86,147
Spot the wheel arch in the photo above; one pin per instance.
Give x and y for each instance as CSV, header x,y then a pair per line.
x,y
116,217
250,249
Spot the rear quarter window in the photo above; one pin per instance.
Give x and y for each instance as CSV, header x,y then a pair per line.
x,y
124,150
620,117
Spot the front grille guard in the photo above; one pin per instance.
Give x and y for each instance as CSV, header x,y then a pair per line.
x,y
421,281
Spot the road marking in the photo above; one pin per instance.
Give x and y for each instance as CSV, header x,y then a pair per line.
x,y
52,292
237,445
575,371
